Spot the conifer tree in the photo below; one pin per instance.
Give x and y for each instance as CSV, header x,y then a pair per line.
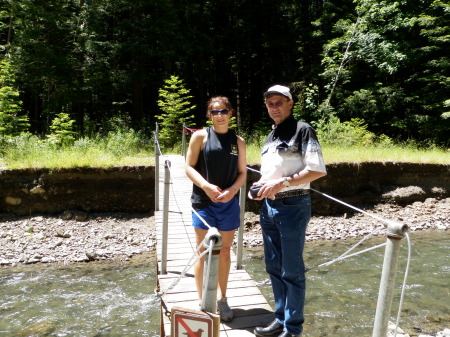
x,y
174,101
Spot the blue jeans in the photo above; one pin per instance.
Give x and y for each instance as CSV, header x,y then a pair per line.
x,y
283,224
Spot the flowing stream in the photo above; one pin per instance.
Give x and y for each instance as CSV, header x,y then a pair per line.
x,y
117,298
341,299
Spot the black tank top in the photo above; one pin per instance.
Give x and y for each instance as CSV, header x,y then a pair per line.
x,y
217,163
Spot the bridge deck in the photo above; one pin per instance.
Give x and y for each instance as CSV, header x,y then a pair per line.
x,y
249,305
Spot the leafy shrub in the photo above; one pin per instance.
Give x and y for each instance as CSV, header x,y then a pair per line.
x,y
306,107
21,146
123,143
83,144
350,133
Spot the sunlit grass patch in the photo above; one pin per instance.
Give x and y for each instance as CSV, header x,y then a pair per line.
x,y
123,149
336,154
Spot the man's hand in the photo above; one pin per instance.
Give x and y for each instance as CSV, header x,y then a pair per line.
x,y
268,189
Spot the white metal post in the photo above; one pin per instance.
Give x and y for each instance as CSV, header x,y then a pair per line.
x,y
211,270
395,232
183,141
157,154
165,225
240,236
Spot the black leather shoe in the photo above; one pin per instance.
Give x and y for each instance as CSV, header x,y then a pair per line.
x,y
273,329
287,334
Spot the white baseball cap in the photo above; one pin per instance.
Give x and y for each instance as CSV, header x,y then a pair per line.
x,y
280,90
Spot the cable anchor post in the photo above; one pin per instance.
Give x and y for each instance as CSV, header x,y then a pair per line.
x,y
213,244
183,141
157,154
165,224
395,233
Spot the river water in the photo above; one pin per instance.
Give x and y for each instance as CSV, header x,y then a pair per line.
x,y
117,298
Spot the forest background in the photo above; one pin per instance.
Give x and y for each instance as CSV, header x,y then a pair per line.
x,y
362,72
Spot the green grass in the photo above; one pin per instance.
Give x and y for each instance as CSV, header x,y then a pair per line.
x,y
128,150
393,153
336,154
253,154
68,158
114,150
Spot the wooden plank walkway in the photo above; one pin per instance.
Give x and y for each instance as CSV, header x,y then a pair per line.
x,y
249,305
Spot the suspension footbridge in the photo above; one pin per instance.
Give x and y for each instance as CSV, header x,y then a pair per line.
x,y
249,305
176,252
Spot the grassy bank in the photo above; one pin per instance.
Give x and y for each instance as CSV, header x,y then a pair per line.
x,y
335,154
113,149
394,153
123,151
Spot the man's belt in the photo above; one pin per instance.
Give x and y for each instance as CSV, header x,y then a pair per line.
x,y
291,193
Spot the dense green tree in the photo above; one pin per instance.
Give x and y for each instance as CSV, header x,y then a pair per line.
x,y
175,103
430,80
12,119
384,62
61,130
43,54
129,52
377,67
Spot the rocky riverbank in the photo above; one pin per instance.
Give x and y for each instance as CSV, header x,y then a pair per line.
x,y
74,237
432,214
81,237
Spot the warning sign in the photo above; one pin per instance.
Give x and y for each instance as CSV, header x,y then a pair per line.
x,y
191,323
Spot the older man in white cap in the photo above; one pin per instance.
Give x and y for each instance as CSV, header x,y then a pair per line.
x,y
290,159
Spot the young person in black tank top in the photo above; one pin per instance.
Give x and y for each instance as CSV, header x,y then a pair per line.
x,y
216,164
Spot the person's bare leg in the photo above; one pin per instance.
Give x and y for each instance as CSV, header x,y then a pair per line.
x,y
198,268
225,261
226,314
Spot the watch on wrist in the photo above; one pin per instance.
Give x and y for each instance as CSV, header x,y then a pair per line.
x,y
286,182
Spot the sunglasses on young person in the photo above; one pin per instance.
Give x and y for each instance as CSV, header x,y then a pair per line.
x,y
222,112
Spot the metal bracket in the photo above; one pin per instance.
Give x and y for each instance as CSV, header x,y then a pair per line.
x,y
396,230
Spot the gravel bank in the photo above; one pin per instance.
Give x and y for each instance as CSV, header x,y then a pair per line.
x,y
80,237
74,237
432,214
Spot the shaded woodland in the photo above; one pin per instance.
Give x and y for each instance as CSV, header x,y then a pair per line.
x,y
385,63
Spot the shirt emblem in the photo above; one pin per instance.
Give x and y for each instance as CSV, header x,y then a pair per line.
x,y
234,149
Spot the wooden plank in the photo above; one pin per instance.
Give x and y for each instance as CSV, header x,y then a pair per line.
x,y
249,306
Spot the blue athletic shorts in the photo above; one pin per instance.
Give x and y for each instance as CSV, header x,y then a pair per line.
x,y
223,216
